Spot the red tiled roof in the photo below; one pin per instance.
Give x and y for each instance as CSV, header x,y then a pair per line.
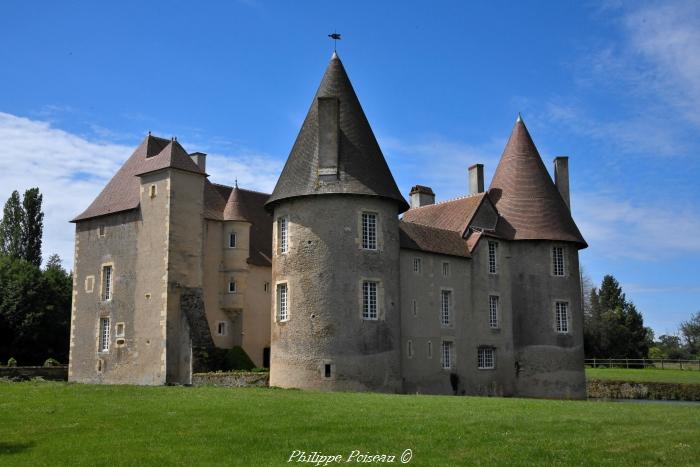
x,y
448,215
425,238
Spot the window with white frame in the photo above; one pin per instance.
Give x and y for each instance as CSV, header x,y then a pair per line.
x,y
558,268
282,302
104,335
107,288
562,316
447,355
486,358
445,307
231,286
283,234
493,257
417,266
409,348
430,349
221,328
369,300
493,311
232,240
369,231
445,269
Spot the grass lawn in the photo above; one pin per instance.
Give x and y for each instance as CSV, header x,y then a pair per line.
x,y
58,423
641,375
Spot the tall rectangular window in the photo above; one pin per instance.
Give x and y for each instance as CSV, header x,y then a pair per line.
x,y
417,266
558,261
446,307
283,234
493,311
232,240
446,269
101,232
232,286
107,283
282,303
104,334
447,357
369,231
562,316
369,300
486,358
493,264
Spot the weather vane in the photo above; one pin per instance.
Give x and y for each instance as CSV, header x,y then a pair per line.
x,y
336,37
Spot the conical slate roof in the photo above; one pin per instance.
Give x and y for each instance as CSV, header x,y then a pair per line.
x,y
362,169
235,209
525,196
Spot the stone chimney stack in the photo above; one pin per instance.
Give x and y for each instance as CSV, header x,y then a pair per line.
x,y
328,137
561,178
476,179
200,159
421,196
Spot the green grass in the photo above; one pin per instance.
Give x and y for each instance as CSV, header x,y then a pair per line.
x,y
61,424
644,375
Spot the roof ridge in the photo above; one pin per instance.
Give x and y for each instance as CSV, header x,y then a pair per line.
x,y
458,198
244,189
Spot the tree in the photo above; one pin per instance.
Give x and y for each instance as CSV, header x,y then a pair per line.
x,y
669,347
11,227
32,226
690,330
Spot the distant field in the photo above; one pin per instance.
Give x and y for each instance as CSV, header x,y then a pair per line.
x,y
648,375
67,424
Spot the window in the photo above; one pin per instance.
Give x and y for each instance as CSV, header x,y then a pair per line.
x,y
445,307
232,286
266,287
232,240
120,330
562,316
430,349
101,231
417,266
283,234
221,328
369,300
107,283
486,360
104,334
89,284
446,269
369,231
447,355
153,191
558,261
327,370
493,265
409,349
493,312
282,302
415,308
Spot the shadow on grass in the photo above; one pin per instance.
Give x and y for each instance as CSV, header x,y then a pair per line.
x,y
14,448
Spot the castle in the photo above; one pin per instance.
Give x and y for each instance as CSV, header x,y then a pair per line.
x,y
322,281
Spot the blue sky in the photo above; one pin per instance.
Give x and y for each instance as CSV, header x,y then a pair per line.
x,y
613,85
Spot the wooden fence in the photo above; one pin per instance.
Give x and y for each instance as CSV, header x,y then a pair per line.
x,y
661,363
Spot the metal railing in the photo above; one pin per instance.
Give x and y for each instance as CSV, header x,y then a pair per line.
x,y
661,363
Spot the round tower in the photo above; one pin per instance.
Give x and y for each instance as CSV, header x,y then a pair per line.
x,y
335,265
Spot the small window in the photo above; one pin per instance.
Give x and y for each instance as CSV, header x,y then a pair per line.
x,y
120,330
415,308
266,287
153,191
446,307
446,269
447,357
369,300
409,348
282,303
107,288
430,349
232,286
89,284
493,263
232,240
493,311
562,317
369,231
104,334
101,231
221,328
486,358
417,265
558,261
283,234
327,370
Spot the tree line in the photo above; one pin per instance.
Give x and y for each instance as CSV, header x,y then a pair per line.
x,y
35,303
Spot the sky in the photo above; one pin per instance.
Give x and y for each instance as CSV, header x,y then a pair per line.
x,y
613,85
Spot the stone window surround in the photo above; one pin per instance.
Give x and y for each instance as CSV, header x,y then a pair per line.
x,y
89,283
452,357
378,230
451,307
484,349
232,239
498,310
380,299
564,265
232,286
277,238
111,281
494,269
555,302
104,334
276,302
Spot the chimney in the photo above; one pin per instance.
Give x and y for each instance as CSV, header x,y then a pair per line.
x,y
561,178
421,196
200,159
476,179
328,137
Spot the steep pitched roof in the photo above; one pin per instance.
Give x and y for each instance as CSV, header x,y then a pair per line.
x,y
171,156
236,209
449,215
425,238
362,167
529,203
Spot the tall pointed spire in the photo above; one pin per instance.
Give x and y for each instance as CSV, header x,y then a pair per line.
x,y
360,167
525,195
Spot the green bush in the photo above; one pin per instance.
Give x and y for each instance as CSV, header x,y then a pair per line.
x,y
51,362
12,362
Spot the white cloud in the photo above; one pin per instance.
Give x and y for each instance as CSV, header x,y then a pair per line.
x,y
71,170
